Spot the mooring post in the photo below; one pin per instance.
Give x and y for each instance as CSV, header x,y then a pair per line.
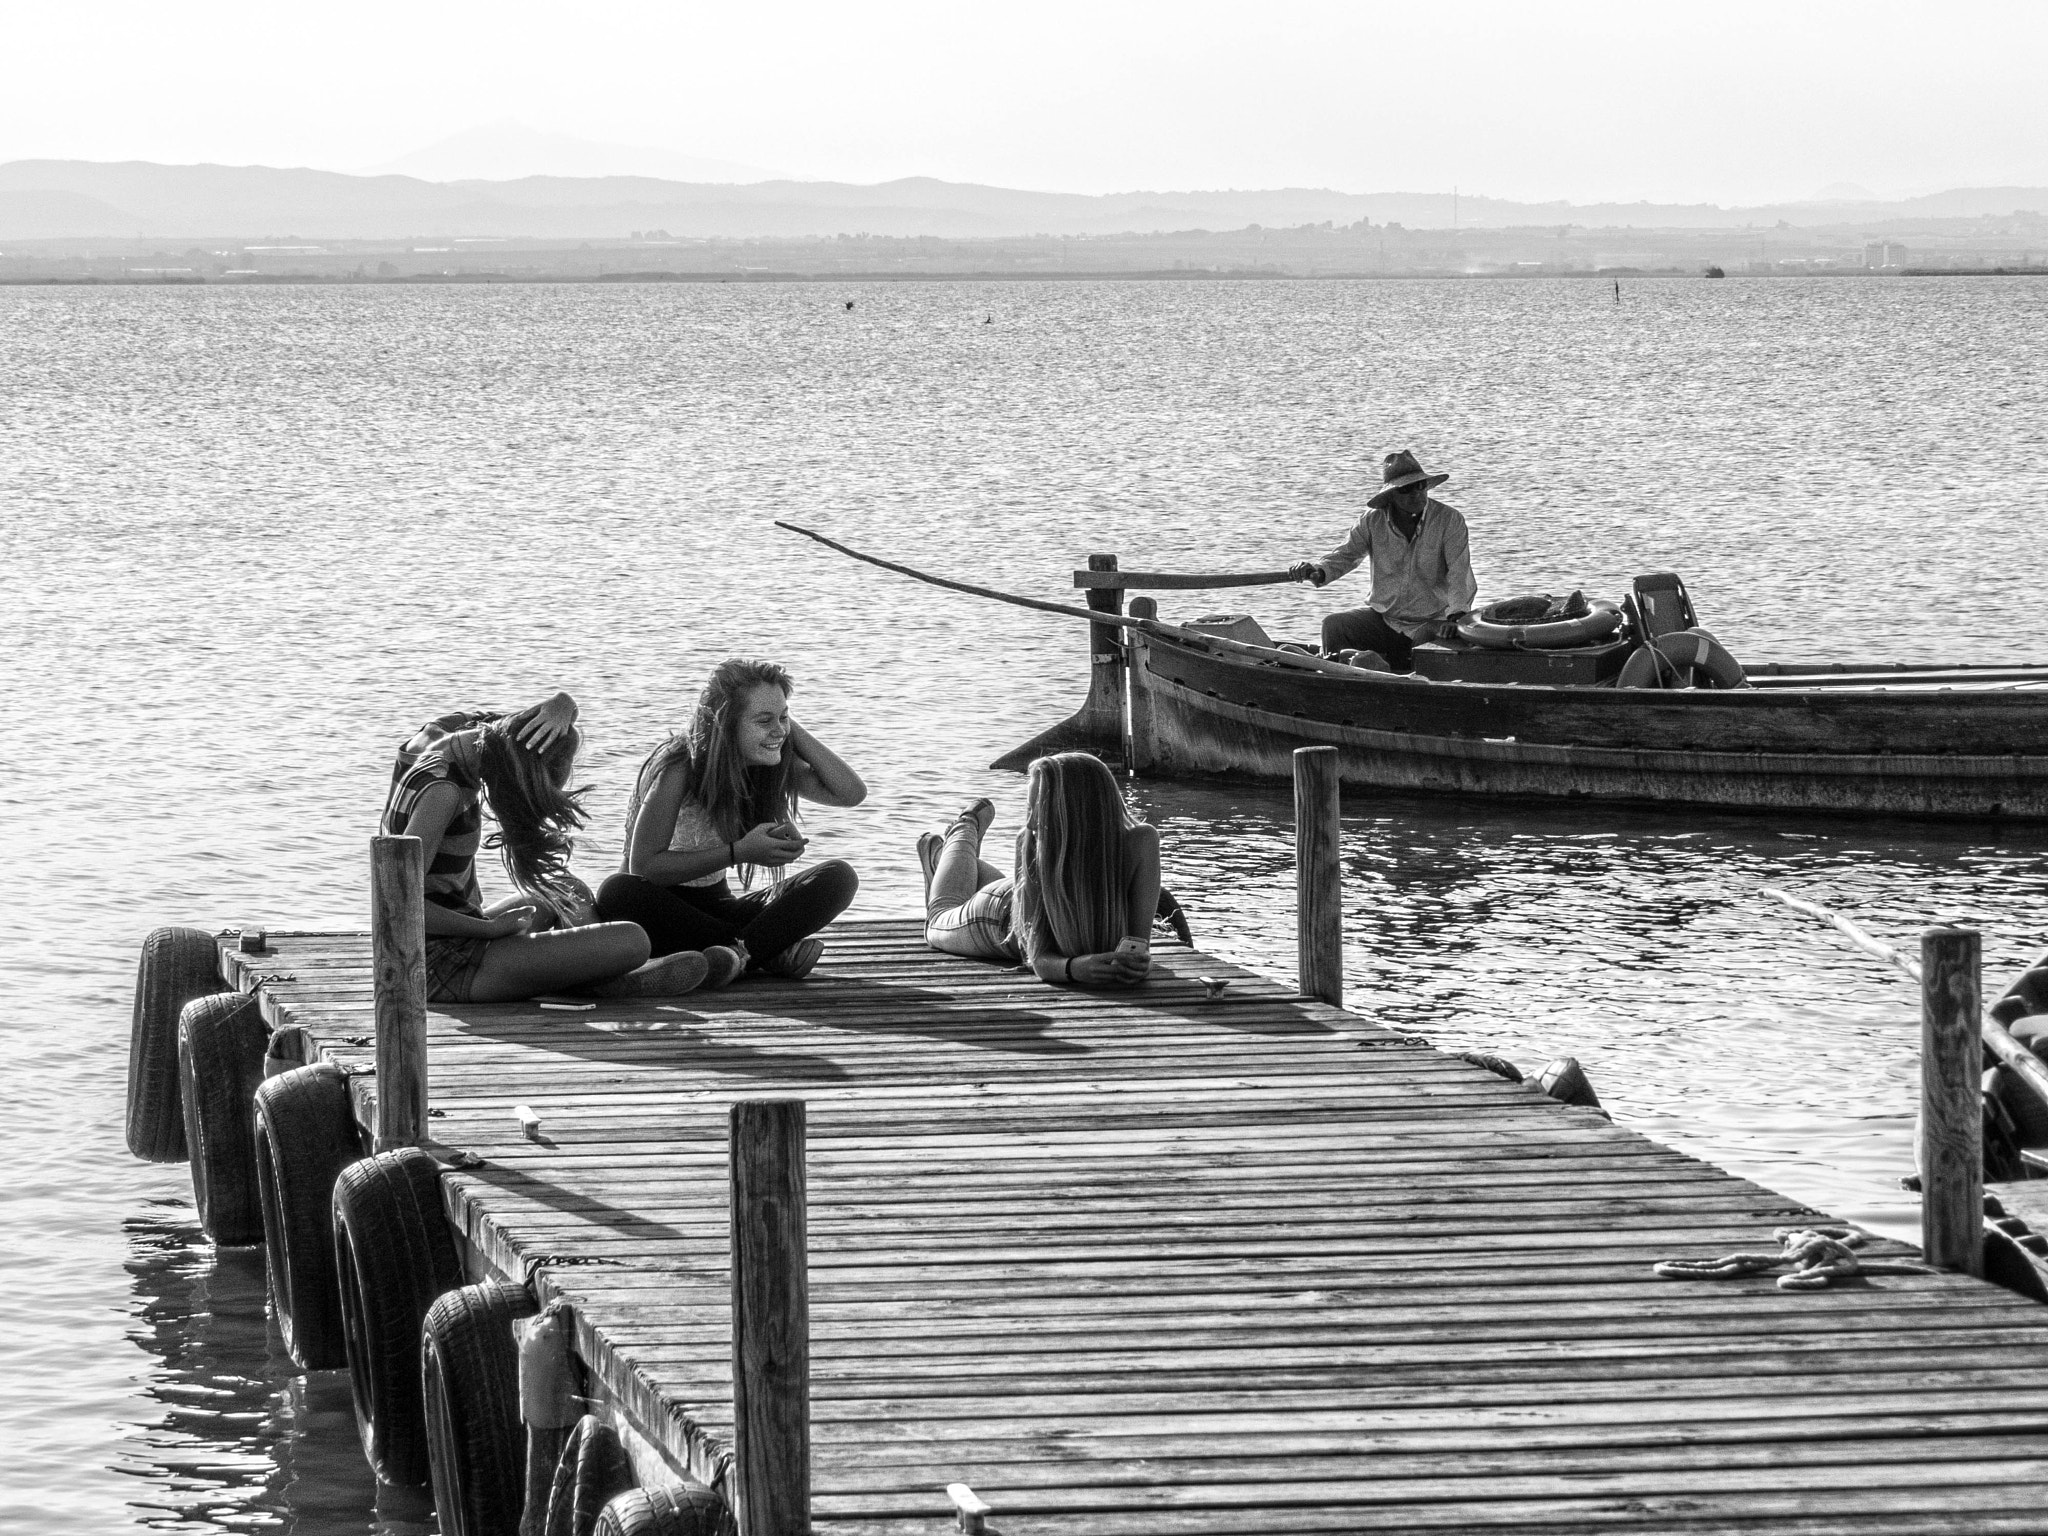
x,y
1141,737
1951,1100
1318,881
770,1486
1098,725
398,947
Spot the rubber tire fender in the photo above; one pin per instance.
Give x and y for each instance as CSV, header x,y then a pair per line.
x,y
593,1471
393,1256
305,1135
672,1510
1566,1081
221,1040
177,965
469,1380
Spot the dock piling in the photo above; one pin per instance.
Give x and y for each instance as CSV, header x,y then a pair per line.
x,y
1951,1101
1318,877
1098,725
770,1487
398,943
1141,749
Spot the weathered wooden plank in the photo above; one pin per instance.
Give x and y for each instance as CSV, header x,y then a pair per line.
x,y
1143,1263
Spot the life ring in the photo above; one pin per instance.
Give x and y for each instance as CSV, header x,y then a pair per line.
x,y
1559,635
1682,652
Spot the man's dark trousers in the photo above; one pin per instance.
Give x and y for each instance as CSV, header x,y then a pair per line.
x,y
1367,629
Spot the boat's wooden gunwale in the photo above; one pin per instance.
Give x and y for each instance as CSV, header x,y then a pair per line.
x,y
1819,722
1191,725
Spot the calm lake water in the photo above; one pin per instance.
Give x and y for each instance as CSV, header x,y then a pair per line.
x,y
254,536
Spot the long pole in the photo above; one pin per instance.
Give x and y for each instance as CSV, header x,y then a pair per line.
x,y
1951,1101
771,1320
398,948
1318,878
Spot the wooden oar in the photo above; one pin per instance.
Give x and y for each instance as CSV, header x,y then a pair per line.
x,y
1158,581
1199,639
1996,1036
1093,617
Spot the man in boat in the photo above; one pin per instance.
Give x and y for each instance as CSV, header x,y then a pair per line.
x,y
1421,567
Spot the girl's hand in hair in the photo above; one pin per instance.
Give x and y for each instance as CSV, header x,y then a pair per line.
x,y
545,722
770,844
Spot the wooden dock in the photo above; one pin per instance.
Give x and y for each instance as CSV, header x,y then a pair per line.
x,y
1162,1262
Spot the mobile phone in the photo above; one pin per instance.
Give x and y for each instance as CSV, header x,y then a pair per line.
x,y
1131,944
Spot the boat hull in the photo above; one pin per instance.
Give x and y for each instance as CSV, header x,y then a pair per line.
x,y
1196,712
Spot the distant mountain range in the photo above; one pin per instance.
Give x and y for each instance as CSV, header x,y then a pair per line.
x,y
79,199
508,150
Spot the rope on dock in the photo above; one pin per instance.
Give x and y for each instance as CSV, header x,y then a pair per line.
x,y
1817,1255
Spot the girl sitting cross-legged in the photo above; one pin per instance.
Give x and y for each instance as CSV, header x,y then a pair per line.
x,y
529,943
1078,908
723,796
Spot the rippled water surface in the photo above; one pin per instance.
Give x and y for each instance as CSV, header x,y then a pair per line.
x,y
254,536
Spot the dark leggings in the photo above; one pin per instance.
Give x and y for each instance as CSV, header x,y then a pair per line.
x,y
678,917
1367,629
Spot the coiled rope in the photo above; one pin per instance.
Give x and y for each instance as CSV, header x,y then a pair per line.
x,y
1817,1255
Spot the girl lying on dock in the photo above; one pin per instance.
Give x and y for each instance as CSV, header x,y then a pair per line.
x,y
724,796
1079,907
529,943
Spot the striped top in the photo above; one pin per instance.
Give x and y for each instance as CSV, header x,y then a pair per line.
x,y
451,879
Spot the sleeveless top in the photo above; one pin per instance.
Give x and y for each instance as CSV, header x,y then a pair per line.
x,y
694,830
451,879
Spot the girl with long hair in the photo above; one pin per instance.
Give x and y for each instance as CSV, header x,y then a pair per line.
x,y
1079,904
536,940
723,796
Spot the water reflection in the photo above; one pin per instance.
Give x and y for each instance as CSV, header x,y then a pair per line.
x,y
245,1440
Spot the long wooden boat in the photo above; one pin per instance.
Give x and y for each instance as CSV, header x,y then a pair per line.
x,y
1853,738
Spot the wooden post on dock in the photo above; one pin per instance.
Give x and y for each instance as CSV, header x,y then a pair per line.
x,y
398,947
1098,725
1951,1101
770,1483
1318,878
1141,737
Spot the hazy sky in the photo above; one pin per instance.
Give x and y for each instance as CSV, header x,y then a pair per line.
x,y
1709,101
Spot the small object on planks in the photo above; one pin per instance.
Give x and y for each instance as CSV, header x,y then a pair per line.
x,y
253,941
1212,987
968,1509
529,1122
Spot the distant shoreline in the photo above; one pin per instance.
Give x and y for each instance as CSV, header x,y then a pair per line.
x,y
493,279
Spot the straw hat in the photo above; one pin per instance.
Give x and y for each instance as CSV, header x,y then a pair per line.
x,y
1401,469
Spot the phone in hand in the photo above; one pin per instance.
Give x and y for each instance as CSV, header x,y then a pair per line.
x,y
1132,944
